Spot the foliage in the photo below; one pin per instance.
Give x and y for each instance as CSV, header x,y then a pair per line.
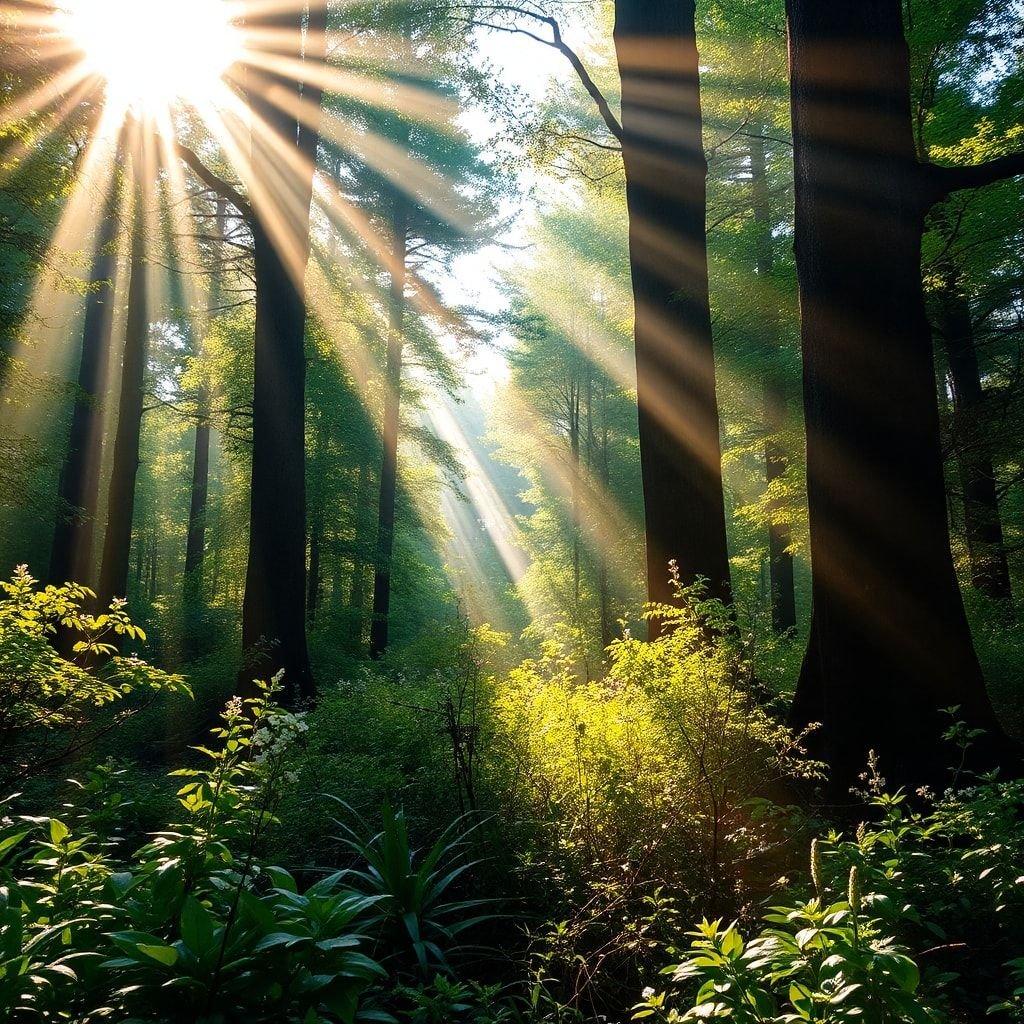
x,y
915,916
413,908
652,789
44,692
195,925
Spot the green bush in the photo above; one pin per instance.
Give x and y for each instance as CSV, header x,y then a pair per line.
x,y
51,705
196,926
918,915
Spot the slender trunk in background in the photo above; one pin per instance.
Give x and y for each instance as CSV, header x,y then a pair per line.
x,y
890,646
154,553
195,544
313,591
983,525
71,556
125,458
666,170
604,596
357,593
389,435
574,459
780,560
273,610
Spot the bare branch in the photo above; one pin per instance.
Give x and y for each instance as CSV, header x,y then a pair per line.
x,y
215,183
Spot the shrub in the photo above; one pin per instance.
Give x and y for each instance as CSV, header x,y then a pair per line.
x,y
50,704
915,916
652,789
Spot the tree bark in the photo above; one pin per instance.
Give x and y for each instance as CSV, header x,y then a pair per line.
x,y
389,435
273,610
125,459
195,545
71,555
983,525
666,171
314,583
890,645
357,591
780,560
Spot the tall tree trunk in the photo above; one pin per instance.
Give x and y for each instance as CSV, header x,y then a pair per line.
x,y
195,544
314,582
273,610
71,556
666,170
780,560
389,436
890,645
357,592
603,590
574,459
983,525
125,459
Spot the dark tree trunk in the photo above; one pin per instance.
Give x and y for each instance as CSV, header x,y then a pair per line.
x,y
666,172
983,525
314,583
195,544
890,645
357,592
574,458
79,487
780,561
603,590
125,459
389,436
273,610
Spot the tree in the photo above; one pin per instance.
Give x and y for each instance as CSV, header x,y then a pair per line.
x,y
429,197
660,136
273,611
79,484
890,646
663,155
113,579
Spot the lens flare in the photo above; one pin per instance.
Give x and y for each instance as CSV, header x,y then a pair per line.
x,y
153,54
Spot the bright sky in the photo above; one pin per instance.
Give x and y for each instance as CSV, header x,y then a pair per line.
x,y
475,277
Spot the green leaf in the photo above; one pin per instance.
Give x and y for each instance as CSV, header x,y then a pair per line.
x,y
197,927
167,955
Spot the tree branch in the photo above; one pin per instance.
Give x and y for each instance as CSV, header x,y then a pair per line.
x,y
215,183
944,180
555,42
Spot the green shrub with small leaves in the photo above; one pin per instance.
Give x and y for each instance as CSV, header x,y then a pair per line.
x,y
52,703
915,915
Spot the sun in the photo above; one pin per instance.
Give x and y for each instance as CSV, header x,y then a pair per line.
x,y
153,54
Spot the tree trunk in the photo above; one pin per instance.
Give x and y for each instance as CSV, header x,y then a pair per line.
x,y
357,592
125,459
890,645
780,561
273,610
313,589
195,544
389,436
603,590
666,171
983,526
574,458
71,556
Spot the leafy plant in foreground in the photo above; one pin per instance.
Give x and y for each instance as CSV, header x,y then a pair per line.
x,y
414,910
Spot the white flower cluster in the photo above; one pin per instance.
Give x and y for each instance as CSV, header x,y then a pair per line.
x,y
276,734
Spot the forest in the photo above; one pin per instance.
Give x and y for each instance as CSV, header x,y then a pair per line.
x,y
511,511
